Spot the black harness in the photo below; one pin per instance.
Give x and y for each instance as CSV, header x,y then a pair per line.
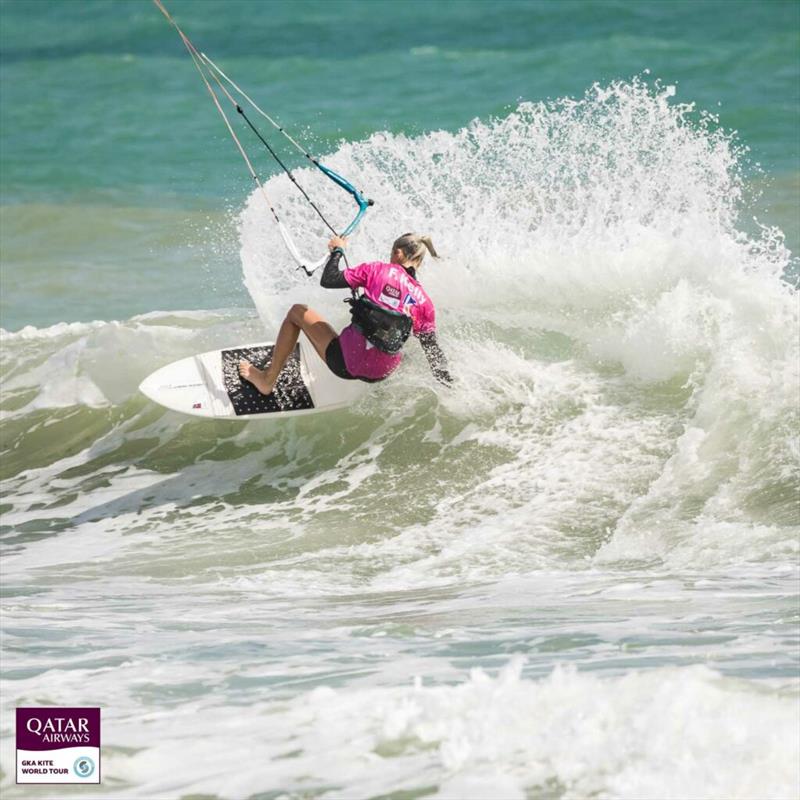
x,y
383,328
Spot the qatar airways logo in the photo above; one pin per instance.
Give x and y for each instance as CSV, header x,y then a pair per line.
x,y
60,729
58,745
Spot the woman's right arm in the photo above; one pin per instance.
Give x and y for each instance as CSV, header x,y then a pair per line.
x,y
436,358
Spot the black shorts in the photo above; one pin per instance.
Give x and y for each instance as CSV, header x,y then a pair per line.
x,y
334,358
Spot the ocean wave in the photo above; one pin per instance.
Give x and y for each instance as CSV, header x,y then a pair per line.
x,y
672,732
627,362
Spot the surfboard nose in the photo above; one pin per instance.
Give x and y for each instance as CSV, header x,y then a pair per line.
x,y
149,386
179,386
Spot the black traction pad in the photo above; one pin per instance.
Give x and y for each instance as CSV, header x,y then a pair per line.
x,y
290,393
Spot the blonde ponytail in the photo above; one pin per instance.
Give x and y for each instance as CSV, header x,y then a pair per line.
x,y
426,240
413,247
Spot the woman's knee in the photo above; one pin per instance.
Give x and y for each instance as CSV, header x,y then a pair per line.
x,y
296,313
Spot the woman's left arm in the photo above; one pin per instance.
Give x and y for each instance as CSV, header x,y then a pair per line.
x,y
332,276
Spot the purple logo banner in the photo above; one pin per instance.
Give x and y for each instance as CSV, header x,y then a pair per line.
x,y
58,745
50,728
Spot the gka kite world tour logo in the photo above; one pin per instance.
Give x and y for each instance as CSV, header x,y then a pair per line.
x,y
58,745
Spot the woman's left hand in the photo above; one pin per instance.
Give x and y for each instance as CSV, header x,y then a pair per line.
x,y
337,241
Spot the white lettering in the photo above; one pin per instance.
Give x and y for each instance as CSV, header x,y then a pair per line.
x,y
402,278
54,726
75,738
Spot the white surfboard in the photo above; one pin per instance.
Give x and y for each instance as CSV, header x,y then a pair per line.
x,y
208,385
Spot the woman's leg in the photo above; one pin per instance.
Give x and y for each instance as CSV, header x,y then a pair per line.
x,y
299,318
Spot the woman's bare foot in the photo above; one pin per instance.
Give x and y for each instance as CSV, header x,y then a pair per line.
x,y
258,377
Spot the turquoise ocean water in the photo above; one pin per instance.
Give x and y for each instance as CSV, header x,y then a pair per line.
x,y
573,575
113,160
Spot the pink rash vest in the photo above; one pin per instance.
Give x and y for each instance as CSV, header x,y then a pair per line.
x,y
390,286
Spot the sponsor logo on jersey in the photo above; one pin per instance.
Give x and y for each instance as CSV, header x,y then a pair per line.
x,y
390,296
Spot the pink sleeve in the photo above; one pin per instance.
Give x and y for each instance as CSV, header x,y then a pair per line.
x,y
424,318
357,276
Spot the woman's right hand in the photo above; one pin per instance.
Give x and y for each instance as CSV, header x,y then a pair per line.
x,y
337,241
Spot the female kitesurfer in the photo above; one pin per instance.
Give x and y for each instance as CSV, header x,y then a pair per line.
x,y
392,305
